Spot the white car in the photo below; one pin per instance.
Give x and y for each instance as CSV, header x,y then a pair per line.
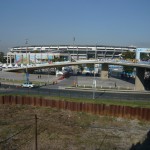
x,y
28,85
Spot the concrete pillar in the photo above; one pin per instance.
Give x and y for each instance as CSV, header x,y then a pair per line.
x,y
95,52
10,59
35,58
28,58
7,58
139,79
15,59
104,71
86,54
22,59
77,54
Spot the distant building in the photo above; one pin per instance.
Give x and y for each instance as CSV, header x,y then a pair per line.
x,y
141,50
41,54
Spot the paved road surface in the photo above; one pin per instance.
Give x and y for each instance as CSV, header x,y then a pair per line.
x,y
104,94
57,90
86,81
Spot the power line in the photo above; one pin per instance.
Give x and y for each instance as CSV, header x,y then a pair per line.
x,y
12,121
29,139
15,134
103,140
36,132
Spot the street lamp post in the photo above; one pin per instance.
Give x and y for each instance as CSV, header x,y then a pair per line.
x,y
41,54
95,51
73,46
94,85
27,76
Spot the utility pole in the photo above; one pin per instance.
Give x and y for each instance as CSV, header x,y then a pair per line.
x,y
26,52
73,46
36,146
41,54
27,76
94,84
73,60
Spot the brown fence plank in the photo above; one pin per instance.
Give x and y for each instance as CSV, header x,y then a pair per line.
x,y
101,109
1,99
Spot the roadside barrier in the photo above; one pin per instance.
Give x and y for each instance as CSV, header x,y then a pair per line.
x,y
99,109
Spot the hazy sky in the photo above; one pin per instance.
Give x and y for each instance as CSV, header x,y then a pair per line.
x,y
45,22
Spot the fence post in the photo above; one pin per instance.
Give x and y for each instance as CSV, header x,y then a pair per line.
x,y
36,148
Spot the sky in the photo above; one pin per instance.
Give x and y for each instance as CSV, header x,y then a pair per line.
x,y
91,22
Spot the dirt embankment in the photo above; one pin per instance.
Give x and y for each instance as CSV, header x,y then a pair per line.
x,y
66,130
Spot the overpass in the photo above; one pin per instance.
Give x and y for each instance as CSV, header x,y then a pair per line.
x,y
140,68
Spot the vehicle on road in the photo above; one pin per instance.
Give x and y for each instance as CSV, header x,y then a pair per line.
x,y
28,85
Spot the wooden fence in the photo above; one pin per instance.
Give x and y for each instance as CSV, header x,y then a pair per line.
x,y
100,109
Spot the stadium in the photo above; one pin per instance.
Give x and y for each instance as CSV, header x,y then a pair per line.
x,y
42,54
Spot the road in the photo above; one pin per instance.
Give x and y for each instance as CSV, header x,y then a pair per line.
x,y
87,94
87,81
105,89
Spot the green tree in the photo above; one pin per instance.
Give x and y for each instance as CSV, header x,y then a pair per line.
x,y
2,59
81,67
90,66
144,56
128,56
55,59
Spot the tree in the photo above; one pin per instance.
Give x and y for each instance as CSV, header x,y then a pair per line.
x,y
128,56
90,66
2,59
81,67
55,59
144,56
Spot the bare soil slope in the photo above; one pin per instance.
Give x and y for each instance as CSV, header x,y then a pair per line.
x,y
66,130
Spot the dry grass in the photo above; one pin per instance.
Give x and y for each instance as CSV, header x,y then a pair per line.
x,y
66,130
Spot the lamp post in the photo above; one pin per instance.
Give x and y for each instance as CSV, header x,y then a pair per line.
x,y
27,76
73,45
41,54
96,51
94,84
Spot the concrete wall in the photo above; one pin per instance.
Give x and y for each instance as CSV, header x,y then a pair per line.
x,y
104,71
139,79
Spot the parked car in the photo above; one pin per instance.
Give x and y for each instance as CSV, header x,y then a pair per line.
x,y
28,85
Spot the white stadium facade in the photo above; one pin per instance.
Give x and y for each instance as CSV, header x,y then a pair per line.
x,y
43,54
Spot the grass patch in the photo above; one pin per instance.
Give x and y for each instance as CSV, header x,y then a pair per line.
x,y
14,82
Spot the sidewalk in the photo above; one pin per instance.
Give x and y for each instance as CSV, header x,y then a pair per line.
x,y
90,82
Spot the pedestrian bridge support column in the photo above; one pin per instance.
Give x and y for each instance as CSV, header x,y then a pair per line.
x,y
139,79
104,71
